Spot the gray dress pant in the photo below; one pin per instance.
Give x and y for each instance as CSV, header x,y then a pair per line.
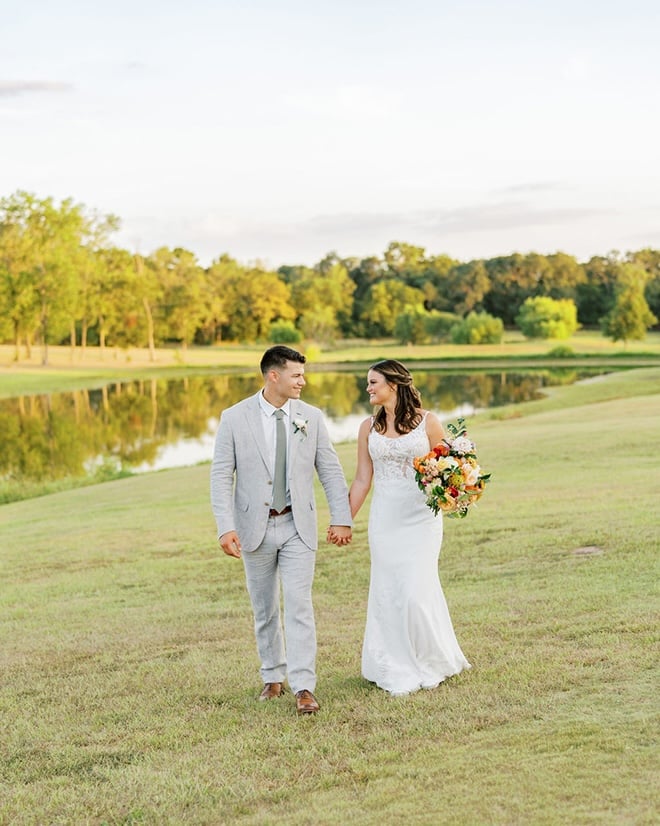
x,y
283,560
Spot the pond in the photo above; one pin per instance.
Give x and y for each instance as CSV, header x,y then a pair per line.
x,y
153,424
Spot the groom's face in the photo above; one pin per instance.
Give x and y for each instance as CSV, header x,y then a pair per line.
x,y
291,380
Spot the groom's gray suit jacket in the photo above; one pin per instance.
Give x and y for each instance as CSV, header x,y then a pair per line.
x,y
242,480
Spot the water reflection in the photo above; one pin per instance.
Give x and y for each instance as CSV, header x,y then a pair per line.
x,y
159,423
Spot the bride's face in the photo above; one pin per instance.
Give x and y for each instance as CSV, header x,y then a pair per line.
x,y
379,390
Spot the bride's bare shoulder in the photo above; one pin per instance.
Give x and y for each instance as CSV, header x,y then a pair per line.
x,y
366,424
433,426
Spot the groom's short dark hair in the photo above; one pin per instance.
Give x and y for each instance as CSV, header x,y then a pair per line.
x,y
277,357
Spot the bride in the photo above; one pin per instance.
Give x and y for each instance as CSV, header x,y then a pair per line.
x,y
409,640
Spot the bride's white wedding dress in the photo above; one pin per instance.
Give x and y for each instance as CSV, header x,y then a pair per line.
x,y
409,641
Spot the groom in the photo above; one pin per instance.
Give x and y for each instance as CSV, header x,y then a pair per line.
x,y
262,492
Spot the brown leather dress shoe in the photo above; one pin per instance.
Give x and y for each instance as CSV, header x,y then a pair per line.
x,y
306,702
271,690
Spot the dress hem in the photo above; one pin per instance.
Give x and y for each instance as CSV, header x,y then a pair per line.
x,y
404,692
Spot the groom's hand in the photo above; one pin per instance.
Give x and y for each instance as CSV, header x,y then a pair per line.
x,y
230,544
339,534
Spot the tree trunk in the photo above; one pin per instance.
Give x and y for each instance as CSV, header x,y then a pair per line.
x,y
150,329
17,342
72,339
44,335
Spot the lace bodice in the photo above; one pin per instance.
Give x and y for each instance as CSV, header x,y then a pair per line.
x,y
392,458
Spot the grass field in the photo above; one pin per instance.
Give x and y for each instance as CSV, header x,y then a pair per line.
x,y
129,673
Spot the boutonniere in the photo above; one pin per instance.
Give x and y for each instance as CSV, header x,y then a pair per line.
x,y
300,426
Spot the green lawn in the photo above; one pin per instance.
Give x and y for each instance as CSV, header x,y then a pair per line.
x,y
129,673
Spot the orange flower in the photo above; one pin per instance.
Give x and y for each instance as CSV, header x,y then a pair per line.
x,y
441,449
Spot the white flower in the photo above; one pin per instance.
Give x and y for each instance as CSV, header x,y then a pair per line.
x,y
471,474
300,426
462,445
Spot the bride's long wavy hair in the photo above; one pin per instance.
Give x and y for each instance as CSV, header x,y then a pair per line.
x,y
408,399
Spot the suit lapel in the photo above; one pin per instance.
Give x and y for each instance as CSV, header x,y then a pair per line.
x,y
295,439
255,425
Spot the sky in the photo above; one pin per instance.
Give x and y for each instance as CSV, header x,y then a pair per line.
x,y
278,132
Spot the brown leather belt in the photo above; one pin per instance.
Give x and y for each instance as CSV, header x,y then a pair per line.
x,y
271,512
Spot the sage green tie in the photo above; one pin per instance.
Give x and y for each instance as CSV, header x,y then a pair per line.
x,y
279,481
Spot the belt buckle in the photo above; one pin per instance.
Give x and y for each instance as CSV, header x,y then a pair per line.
x,y
284,511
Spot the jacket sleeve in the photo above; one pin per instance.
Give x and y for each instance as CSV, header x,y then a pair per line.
x,y
223,469
332,477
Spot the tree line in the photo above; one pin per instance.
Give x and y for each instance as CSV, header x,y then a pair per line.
x,y
63,281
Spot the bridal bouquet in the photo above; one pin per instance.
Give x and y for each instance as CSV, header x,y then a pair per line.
x,y
450,475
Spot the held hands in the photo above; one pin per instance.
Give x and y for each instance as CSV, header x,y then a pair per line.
x,y
339,535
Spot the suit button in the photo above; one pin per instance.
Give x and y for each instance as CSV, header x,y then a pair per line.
x,y
269,482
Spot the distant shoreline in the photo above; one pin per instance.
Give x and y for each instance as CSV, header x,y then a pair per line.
x,y
85,369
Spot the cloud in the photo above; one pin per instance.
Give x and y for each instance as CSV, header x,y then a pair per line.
x,y
535,187
480,230
507,215
26,87
477,218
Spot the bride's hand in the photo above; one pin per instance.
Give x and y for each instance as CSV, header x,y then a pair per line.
x,y
339,535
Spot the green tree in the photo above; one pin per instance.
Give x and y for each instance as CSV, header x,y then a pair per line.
x,y
284,332
263,298
323,298
18,304
595,295
319,324
387,300
516,277
254,299
649,259
148,292
405,261
222,272
181,303
543,317
39,241
439,324
562,277
116,299
55,234
513,278
411,326
91,263
465,287
364,274
630,316
411,265
478,328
